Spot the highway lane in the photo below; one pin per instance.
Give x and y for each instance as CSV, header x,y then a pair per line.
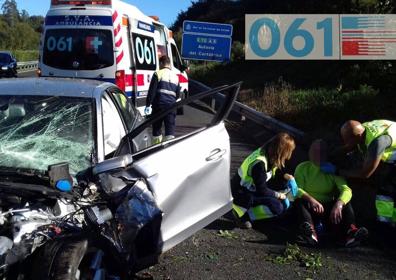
x,y
245,254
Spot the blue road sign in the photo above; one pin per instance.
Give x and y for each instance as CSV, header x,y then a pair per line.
x,y
214,29
205,47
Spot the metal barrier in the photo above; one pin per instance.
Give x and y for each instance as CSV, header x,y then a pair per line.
x,y
27,66
246,112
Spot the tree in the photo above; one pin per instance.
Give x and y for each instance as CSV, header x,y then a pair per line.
x,y
10,12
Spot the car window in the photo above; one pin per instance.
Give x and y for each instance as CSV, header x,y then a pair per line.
x,y
128,112
5,58
113,127
176,58
159,33
199,114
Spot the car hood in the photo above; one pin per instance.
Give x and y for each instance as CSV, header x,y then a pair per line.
x,y
4,63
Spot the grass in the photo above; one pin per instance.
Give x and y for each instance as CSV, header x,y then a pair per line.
x,y
23,55
318,107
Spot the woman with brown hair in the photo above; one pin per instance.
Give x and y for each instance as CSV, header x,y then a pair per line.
x,y
253,198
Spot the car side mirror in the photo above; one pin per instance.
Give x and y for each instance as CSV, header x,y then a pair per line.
x,y
185,66
112,164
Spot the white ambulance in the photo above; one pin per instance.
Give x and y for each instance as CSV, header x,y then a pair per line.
x,y
107,40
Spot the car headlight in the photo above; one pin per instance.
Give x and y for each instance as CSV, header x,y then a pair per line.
x,y
4,68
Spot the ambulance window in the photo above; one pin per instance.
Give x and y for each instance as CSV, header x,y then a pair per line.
x,y
78,49
160,38
176,58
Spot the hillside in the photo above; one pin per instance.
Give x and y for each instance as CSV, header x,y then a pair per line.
x,y
295,91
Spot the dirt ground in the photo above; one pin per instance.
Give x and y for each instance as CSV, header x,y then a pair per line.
x,y
222,251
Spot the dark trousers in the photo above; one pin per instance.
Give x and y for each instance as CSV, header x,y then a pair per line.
x,y
305,214
169,121
248,199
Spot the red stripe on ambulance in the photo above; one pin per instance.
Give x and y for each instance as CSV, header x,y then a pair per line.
x,y
118,43
119,57
115,15
117,30
182,79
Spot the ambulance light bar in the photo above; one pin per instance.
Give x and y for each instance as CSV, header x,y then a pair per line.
x,y
156,18
80,2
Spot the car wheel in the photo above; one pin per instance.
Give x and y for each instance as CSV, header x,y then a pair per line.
x,y
72,260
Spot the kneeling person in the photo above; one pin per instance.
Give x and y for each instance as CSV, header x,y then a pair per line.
x,y
253,198
324,197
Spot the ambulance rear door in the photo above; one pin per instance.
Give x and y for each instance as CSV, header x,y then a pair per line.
x,y
144,42
79,43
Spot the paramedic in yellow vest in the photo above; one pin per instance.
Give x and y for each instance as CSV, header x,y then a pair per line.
x,y
253,198
163,92
377,141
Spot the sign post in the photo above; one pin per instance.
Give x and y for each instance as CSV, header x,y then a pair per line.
x,y
206,41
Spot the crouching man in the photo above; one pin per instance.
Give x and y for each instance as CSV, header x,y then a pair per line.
x,y
324,198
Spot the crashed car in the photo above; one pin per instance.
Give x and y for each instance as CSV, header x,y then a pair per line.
x,y
84,194
8,64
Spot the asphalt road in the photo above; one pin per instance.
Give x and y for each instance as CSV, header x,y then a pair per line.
x,y
221,251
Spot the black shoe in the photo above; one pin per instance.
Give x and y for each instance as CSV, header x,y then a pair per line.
x,y
307,235
242,222
355,236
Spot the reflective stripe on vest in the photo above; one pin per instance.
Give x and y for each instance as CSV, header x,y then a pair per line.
x,y
378,128
239,210
168,82
385,208
260,212
394,215
245,171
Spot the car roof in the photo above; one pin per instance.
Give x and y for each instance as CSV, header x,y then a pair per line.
x,y
53,87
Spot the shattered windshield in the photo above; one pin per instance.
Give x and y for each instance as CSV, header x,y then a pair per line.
x,y
37,131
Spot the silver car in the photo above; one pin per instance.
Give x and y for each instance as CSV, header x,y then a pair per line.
x,y
182,184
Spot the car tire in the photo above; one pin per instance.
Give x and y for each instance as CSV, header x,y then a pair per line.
x,y
59,260
67,262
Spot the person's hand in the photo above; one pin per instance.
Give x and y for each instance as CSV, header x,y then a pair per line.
x,y
316,206
148,110
282,196
288,177
336,212
328,168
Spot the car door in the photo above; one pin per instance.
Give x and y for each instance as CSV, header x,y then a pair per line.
x,y
189,175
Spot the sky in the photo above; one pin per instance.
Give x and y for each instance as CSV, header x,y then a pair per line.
x,y
167,10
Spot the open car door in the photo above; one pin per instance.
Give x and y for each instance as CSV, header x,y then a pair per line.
x,y
189,175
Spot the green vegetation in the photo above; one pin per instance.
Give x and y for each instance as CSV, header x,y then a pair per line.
x,y
315,96
227,234
293,253
19,32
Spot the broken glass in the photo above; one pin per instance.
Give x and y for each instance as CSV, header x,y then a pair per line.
x,y
38,131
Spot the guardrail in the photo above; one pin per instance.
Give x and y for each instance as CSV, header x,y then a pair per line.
x,y
27,66
247,112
